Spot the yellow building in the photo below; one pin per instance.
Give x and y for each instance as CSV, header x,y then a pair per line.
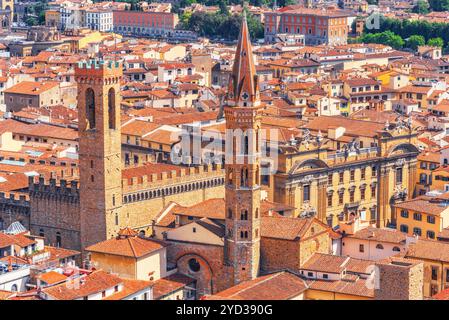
x,y
423,216
435,255
428,162
440,179
342,167
52,18
135,257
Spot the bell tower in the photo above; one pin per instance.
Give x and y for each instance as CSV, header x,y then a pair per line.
x,y
99,149
242,194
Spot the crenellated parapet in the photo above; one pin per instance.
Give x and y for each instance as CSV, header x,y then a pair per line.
x,y
97,71
54,189
18,200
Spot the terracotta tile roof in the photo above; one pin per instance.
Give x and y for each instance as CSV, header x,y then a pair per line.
x,y
187,118
38,130
284,228
19,239
326,263
211,208
350,286
163,137
57,254
353,127
429,156
6,240
422,204
52,277
442,295
128,246
31,88
429,250
130,287
277,286
138,128
95,282
380,235
172,283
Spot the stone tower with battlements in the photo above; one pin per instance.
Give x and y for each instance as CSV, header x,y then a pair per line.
x,y
99,149
242,194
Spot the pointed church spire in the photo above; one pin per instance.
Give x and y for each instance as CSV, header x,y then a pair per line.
x,y
243,83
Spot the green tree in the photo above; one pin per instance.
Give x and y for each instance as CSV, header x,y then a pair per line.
x,y
421,7
223,8
31,21
436,42
439,5
415,41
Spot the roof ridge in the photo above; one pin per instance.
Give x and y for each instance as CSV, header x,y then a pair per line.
x,y
269,277
132,246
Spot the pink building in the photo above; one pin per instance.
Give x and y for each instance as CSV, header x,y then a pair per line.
x,y
138,23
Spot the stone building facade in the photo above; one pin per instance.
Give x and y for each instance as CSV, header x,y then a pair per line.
x,y
337,169
242,194
107,197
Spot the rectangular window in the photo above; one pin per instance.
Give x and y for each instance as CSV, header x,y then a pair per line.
x,y
404,213
430,234
329,179
329,200
434,273
417,231
362,173
399,175
306,193
341,176
340,198
361,248
351,196
352,176
373,171
417,216
431,219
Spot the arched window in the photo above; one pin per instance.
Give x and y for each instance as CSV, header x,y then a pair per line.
x,y
245,143
257,140
244,177
257,176
14,288
379,246
90,108
116,219
257,213
111,109
396,249
244,215
229,213
41,233
58,239
230,172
